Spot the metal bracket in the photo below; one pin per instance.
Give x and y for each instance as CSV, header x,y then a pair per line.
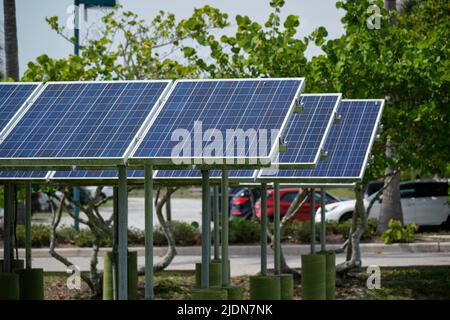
x,y
282,147
298,107
323,154
337,118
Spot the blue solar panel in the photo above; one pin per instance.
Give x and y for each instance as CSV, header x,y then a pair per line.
x,y
246,104
196,174
17,175
83,120
95,174
12,97
307,131
348,145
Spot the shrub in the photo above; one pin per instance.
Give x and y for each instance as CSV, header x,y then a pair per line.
x,y
343,228
244,231
299,231
40,235
398,233
136,236
185,234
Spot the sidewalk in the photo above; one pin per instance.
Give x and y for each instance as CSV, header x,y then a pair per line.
x,y
255,250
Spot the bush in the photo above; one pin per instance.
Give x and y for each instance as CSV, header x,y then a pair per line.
x,y
40,235
399,233
244,231
299,231
343,228
185,234
136,236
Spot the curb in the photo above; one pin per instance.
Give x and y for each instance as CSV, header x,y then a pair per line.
x,y
254,250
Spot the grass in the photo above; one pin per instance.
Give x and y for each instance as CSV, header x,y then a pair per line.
x,y
419,283
406,283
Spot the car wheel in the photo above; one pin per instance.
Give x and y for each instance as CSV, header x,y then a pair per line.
x,y
346,216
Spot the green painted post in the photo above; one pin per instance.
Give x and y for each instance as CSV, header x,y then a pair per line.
x,y
9,207
115,241
312,211
276,228
225,256
216,223
206,229
264,229
28,225
123,233
148,232
323,225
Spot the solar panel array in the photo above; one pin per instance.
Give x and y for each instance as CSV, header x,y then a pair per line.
x,y
17,174
83,120
95,174
348,145
196,174
220,105
12,97
307,131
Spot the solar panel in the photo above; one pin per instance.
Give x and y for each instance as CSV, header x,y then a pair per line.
x,y
85,121
348,146
94,174
23,175
13,96
194,107
307,131
244,174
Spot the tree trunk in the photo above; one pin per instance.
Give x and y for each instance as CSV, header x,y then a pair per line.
x,y
11,47
169,207
391,206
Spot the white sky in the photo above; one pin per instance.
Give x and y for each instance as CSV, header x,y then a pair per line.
x,y
36,38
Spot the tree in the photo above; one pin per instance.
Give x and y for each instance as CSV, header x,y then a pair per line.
x,y
11,47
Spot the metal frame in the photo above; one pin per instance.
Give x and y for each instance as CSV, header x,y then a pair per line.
x,y
20,180
326,180
224,161
311,165
11,123
49,162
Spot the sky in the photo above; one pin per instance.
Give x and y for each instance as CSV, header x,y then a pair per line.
x,y
36,38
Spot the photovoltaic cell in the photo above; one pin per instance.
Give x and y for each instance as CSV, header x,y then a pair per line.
x,y
16,174
196,174
95,174
12,97
348,145
220,105
83,120
307,131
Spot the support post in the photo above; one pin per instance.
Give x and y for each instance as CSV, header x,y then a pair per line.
x,y
264,229
276,227
312,211
28,225
123,233
225,204
76,50
76,209
148,190
323,224
115,242
216,223
206,230
9,207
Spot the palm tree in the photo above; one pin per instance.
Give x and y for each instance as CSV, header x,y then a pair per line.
x,y
11,50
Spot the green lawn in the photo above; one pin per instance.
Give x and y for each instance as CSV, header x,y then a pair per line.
x,y
396,283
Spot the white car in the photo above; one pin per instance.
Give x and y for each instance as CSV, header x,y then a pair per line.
x,y
423,203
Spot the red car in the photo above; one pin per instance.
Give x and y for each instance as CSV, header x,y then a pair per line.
x,y
286,198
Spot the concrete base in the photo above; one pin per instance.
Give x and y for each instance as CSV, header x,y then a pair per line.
x,y
215,274
31,284
209,294
265,288
9,286
235,292
286,286
313,277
